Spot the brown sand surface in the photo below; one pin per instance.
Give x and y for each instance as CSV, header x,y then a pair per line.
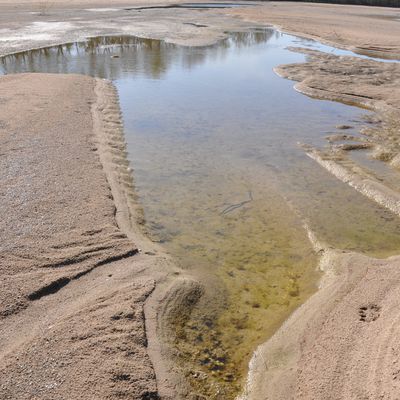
x,y
341,344
57,210
368,83
72,289
73,296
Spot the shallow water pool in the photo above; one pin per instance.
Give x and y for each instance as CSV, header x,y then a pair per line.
x,y
212,134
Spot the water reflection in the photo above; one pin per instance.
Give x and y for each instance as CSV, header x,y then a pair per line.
x,y
116,56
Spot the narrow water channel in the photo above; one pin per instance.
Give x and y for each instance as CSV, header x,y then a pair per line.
x,y
213,138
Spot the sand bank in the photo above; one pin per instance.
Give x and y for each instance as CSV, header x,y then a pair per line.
x,y
342,343
73,285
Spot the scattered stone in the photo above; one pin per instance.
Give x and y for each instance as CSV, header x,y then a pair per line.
x,y
343,127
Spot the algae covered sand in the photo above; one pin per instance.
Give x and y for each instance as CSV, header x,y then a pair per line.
x,y
261,266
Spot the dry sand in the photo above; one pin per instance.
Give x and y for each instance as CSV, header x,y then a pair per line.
x,y
341,344
67,328
78,317
57,210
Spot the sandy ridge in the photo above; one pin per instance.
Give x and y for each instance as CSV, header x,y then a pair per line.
x,y
46,237
173,289
341,331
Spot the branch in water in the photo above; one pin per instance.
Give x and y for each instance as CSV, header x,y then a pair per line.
x,y
238,205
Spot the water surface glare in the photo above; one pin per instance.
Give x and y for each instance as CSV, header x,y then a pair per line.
x,y
212,134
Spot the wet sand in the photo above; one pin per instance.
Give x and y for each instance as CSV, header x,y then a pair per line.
x,y
74,315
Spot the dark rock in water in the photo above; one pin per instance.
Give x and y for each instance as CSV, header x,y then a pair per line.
x,y
344,127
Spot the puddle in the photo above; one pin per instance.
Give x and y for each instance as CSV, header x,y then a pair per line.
x,y
212,135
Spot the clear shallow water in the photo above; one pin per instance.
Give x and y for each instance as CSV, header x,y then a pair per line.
x,y
213,136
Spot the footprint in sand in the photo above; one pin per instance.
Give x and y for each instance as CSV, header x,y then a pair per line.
x,y
369,312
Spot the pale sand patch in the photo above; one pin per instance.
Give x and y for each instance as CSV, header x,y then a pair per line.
x,y
37,31
341,344
102,9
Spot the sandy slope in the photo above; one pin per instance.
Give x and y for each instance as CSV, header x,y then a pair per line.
x,y
342,344
57,211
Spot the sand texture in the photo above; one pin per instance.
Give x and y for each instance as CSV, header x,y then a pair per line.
x,y
58,212
72,291
342,343
368,83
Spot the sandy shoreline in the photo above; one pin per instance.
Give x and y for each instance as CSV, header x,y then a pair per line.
x,y
84,285
100,284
